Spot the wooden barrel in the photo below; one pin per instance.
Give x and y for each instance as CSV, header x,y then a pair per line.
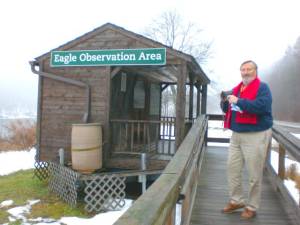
x,y
86,149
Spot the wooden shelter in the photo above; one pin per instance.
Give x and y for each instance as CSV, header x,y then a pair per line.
x,y
124,98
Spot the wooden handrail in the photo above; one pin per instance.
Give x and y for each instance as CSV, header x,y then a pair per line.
x,y
288,144
143,121
216,117
288,141
157,205
179,179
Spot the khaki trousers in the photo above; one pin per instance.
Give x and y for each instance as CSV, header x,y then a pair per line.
x,y
248,148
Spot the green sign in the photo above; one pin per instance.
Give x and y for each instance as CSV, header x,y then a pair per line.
x,y
147,56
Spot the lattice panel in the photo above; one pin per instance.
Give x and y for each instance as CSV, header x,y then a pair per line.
x,y
63,182
41,170
104,193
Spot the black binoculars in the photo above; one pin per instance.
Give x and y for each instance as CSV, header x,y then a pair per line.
x,y
224,94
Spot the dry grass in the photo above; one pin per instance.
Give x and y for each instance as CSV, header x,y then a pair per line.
x,y
293,174
21,135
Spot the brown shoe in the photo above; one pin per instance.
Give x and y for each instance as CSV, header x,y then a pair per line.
x,y
248,214
231,207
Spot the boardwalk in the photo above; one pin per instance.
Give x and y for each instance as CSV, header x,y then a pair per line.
x,y
212,195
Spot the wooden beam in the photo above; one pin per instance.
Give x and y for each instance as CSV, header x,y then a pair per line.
x,y
180,105
164,87
203,99
198,99
281,162
174,70
115,71
169,72
151,75
191,99
162,71
106,125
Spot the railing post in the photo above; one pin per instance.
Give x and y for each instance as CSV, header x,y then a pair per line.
x,y
61,156
172,217
269,150
143,178
281,162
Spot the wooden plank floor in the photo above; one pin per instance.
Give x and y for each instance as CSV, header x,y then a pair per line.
x,y
212,195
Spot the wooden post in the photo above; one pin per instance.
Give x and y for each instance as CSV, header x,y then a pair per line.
x,y
106,126
191,99
180,105
171,218
281,162
203,99
268,158
198,99
203,106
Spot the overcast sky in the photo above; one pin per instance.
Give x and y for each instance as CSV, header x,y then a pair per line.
x,y
258,29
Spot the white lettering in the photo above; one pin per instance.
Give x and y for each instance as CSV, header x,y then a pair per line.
x,y
126,57
65,59
142,56
132,57
152,56
82,57
108,57
158,57
149,56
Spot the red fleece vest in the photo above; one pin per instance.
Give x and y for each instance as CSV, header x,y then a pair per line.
x,y
249,93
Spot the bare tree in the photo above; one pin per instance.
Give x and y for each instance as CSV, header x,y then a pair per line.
x,y
171,30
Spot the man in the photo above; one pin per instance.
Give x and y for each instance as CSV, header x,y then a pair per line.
x,y
249,115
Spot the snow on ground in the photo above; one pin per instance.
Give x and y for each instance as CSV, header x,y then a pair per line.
x,y
6,203
12,161
296,135
20,213
107,218
288,183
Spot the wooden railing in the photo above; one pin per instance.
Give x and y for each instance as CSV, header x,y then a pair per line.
x,y
217,117
144,135
178,182
288,145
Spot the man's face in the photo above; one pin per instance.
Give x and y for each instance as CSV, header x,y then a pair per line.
x,y
248,72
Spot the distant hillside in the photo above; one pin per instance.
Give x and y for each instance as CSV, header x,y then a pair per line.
x,y
284,79
17,97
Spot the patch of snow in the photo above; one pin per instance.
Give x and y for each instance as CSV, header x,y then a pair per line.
x,y
290,185
19,212
6,203
43,221
296,135
32,202
178,214
107,218
12,161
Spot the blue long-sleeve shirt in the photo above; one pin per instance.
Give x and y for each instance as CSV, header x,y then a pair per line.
x,y
261,106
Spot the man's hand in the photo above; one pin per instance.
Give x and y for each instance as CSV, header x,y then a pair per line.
x,y
232,99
